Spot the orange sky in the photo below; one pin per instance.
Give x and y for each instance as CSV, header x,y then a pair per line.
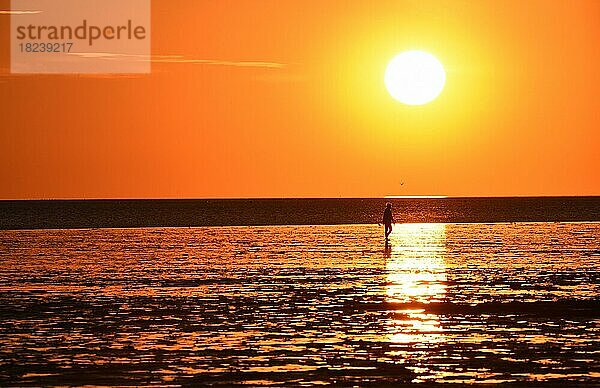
x,y
520,113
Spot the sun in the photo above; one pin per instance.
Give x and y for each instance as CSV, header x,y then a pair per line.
x,y
415,77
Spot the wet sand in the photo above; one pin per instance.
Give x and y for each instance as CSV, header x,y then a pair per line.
x,y
511,303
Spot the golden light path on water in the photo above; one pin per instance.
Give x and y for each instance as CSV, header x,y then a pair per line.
x,y
462,303
416,273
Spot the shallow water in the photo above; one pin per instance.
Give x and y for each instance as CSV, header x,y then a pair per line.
x,y
306,304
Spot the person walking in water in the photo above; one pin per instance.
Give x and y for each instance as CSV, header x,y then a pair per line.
x,y
388,220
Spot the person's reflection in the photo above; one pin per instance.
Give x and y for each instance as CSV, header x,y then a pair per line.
x,y
387,251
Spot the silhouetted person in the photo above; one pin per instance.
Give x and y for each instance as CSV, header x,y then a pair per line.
x,y
388,220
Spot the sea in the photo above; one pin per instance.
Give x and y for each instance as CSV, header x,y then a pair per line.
x,y
300,292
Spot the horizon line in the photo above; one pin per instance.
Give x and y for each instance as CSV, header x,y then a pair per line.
x,y
417,196
292,198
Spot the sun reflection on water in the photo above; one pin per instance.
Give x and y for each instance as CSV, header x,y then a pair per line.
x,y
416,275
462,303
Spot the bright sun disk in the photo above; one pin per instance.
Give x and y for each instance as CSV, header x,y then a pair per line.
x,y
415,77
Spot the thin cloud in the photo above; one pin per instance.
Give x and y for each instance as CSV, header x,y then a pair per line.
x,y
3,12
274,65
179,59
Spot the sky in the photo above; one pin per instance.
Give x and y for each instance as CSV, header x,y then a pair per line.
x,y
287,99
